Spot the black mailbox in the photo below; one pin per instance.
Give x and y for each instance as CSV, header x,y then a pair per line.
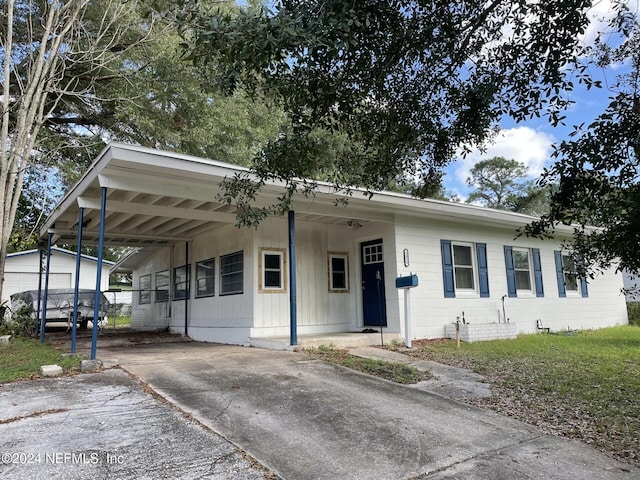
x,y
409,281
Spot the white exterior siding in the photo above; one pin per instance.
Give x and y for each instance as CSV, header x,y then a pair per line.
x,y
220,318
430,310
153,315
22,272
258,314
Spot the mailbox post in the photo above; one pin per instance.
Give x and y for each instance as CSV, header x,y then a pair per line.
x,y
406,284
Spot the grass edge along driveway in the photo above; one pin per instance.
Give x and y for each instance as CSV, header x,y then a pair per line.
x,y
583,385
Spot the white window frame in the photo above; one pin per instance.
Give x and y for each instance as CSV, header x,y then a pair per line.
x,y
474,267
262,275
342,256
567,271
373,253
531,289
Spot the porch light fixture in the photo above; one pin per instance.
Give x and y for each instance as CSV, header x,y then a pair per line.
x,y
354,224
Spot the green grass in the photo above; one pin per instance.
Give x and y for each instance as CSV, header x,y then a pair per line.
x,y
22,358
633,311
584,385
396,372
121,321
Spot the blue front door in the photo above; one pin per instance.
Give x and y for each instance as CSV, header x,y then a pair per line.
x,y
373,298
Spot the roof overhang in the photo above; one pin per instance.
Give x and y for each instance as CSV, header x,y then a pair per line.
x,y
156,198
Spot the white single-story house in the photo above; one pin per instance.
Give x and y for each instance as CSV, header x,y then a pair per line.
x,y
324,268
22,271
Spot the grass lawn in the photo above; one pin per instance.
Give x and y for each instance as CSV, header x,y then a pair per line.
x,y
22,358
583,385
120,321
396,372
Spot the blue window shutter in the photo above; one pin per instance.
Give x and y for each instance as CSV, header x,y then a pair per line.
x,y
561,290
483,269
511,272
537,272
583,287
447,269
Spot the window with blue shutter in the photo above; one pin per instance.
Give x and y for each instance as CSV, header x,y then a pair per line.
x,y
583,287
537,272
447,269
463,271
559,273
511,272
483,269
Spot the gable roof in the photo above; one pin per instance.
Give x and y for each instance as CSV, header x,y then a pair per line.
x,y
59,250
155,197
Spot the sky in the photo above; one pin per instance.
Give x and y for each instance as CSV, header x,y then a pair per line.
x,y
531,142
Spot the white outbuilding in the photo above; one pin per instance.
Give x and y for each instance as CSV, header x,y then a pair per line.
x,y
22,271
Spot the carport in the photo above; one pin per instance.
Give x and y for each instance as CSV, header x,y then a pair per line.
x,y
138,197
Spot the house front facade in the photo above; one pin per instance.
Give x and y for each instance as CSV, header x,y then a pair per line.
x,y
233,285
324,268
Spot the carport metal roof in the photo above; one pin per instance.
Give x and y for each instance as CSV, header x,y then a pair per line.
x,y
157,198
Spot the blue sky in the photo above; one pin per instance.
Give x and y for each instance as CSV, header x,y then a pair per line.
x,y
531,142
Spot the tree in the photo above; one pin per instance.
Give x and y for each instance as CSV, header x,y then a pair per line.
x,y
501,183
53,54
597,169
405,82
498,182
116,73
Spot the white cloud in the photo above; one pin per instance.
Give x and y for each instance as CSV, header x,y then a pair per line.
x,y
524,144
600,13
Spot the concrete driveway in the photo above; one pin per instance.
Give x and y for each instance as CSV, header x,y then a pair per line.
x,y
306,419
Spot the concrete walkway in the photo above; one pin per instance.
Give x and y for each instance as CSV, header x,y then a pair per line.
x,y
306,419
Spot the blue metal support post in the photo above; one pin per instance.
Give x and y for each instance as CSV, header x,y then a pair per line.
x,y
293,301
77,282
98,293
40,271
43,320
188,290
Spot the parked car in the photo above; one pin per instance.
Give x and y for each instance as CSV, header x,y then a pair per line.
x,y
60,305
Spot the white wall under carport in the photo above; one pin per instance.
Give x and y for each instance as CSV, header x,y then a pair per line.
x,y
22,271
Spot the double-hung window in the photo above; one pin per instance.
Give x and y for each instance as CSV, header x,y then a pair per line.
x,y
162,286
570,283
338,272
464,275
144,289
205,278
524,271
181,276
231,273
464,268
272,266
